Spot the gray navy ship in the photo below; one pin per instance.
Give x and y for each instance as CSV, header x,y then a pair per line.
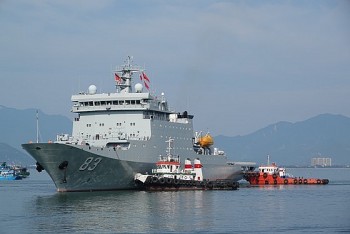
x,y
117,135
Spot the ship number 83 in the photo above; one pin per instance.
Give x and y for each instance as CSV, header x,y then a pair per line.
x,y
90,164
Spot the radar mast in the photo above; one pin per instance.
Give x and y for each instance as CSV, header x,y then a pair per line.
x,y
124,80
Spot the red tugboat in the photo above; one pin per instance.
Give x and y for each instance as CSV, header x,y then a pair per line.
x,y
271,174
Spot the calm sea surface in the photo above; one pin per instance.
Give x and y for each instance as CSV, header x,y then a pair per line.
x,y
33,206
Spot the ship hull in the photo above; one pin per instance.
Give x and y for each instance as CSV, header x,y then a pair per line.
x,y
85,168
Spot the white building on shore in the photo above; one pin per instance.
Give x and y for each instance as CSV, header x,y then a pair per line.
x,y
321,162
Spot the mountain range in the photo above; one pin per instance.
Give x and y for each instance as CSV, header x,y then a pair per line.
x,y
19,126
325,135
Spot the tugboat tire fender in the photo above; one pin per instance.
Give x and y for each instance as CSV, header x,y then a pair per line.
x,y
325,181
161,180
168,180
154,180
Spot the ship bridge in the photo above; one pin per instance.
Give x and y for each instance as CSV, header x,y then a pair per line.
x,y
126,114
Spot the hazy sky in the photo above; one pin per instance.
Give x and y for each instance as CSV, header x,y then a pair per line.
x,y
236,65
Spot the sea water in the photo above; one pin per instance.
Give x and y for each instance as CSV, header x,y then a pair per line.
x,y
32,205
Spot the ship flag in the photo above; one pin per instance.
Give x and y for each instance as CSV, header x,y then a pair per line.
x,y
145,79
117,78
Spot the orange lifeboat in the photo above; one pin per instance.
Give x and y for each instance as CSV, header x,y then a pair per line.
x,y
206,141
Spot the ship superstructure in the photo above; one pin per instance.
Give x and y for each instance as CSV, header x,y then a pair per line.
x,y
116,135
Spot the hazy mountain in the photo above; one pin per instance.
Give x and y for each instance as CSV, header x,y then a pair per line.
x,y
287,143
19,126
14,156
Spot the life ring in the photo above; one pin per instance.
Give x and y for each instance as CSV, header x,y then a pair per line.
x,y
161,180
176,181
300,181
274,176
265,175
295,181
266,182
185,177
318,181
305,181
285,181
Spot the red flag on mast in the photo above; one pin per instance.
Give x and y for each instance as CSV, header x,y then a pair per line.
x,y
145,77
117,78
145,80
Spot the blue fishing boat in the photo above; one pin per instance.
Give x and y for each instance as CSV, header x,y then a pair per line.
x,y
7,173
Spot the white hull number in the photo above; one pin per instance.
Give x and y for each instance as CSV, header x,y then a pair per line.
x,y
90,164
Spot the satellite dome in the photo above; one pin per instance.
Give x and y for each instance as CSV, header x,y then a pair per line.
x,y
92,89
138,88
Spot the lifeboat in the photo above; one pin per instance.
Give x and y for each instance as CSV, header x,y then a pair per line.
x,y
206,141
274,175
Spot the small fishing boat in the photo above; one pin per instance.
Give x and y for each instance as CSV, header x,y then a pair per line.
x,y
9,175
271,174
22,171
9,172
168,175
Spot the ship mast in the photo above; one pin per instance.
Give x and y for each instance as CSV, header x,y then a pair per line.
x,y
37,126
123,84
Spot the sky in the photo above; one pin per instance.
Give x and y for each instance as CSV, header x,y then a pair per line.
x,y
238,66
